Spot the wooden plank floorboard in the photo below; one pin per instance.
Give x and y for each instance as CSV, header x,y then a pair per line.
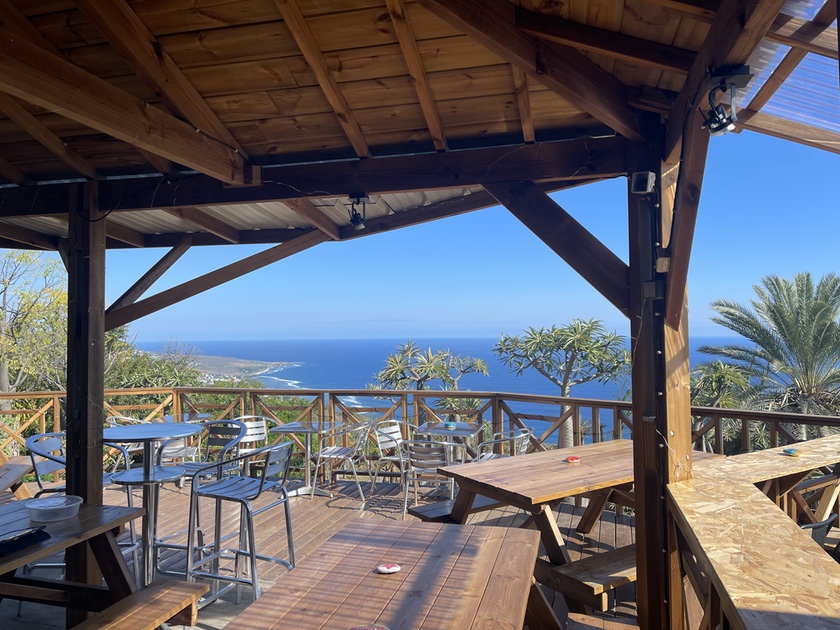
x,y
317,519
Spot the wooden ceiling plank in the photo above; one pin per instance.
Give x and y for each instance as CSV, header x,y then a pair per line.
x,y
737,29
700,10
819,39
686,203
610,43
39,77
125,234
160,164
310,212
523,101
130,37
13,19
153,274
595,262
408,45
568,72
206,222
296,23
13,173
40,133
824,17
129,313
25,236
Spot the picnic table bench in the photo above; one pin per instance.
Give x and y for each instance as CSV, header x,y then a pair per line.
x,y
12,472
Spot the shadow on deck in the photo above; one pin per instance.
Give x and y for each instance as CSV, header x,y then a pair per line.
x,y
315,520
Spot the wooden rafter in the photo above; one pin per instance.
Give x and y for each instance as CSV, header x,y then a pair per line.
x,y
824,17
45,137
132,312
561,68
13,173
795,132
28,237
702,10
523,102
32,74
408,45
318,64
153,274
139,47
124,234
812,37
610,43
206,222
686,203
309,211
736,30
594,261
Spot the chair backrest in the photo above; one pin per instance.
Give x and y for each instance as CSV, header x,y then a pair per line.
x,y
48,454
819,531
220,439
516,441
426,456
390,434
277,462
115,421
256,435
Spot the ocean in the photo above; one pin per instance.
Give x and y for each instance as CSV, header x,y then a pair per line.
x,y
351,363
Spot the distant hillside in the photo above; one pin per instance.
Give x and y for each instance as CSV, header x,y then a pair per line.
x,y
223,368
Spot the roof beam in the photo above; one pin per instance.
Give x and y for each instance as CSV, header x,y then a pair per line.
x,y
555,227
46,138
309,211
131,312
610,43
735,32
566,71
39,77
411,54
523,102
686,203
701,10
795,132
13,173
25,236
153,274
318,64
208,223
138,46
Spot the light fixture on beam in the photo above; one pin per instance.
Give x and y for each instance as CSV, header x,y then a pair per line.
x,y
358,201
727,79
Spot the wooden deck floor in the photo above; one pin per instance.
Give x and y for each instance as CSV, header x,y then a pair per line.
x,y
315,520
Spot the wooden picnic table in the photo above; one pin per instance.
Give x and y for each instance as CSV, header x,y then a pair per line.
x,y
535,481
451,577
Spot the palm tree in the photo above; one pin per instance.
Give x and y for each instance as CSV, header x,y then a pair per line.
x,y
793,332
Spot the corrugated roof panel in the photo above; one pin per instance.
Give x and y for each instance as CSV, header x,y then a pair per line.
x,y
810,95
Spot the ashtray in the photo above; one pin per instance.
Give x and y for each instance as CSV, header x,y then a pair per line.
x,y
370,626
50,509
450,426
573,459
388,567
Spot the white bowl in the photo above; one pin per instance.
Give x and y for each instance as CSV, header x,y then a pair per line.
x,y
48,509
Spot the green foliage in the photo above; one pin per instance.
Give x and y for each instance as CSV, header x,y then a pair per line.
x,y
132,368
579,352
793,349
412,368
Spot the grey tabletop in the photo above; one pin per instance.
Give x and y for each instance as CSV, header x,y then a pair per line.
x,y
150,432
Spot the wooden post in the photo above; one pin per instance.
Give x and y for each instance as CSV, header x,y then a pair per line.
x,y
85,368
661,412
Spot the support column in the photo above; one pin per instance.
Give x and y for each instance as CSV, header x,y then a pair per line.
x,y
661,411
85,367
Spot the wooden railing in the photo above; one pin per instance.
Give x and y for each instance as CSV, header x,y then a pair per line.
x,y
714,429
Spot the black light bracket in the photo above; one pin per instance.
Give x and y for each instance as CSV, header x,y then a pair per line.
x,y
358,200
724,79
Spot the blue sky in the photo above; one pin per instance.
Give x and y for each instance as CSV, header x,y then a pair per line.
x,y
768,206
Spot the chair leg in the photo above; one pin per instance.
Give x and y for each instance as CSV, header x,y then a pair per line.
x,y
358,485
289,538
375,476
248,516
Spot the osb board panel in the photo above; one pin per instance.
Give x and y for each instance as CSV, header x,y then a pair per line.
x,y
772,463
769,573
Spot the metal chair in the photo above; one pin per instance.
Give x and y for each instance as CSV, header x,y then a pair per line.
x,y
256,436
345,445
389,436
217,445
424,457
216,482
819,531
517,441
